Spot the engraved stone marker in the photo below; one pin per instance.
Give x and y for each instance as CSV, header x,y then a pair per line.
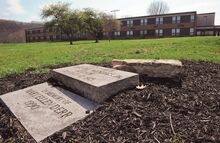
x,y
95,82
43,109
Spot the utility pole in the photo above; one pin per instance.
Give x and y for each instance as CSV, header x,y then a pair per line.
x,y
115,12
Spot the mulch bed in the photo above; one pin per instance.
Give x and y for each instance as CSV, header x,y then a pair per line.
x,y
163,112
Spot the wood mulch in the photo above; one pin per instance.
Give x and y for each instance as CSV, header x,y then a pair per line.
x,y
163,112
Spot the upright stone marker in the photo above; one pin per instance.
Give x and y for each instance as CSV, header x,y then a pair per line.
x,y
43,109
95,82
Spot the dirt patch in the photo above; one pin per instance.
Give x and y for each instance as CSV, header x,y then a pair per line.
x,y
163,112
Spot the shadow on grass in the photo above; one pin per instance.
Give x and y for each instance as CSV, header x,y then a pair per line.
x,y
81,42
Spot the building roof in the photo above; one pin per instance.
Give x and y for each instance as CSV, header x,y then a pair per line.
x,y
190,12
206,13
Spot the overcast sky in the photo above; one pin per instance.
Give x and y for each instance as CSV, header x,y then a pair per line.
x,y
29,10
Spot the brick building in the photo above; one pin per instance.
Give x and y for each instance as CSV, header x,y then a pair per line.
x,y
153,26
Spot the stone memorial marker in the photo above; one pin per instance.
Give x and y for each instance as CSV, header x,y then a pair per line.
x,y
44,110
95,82
162,68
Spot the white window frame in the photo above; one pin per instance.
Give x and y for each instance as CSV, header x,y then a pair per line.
x,y
192,18
130,23
178,19
173,19
173,32
142,22
129,33
161,20
176,32
141,32
157,20
104,33
159,32
191,31
145,21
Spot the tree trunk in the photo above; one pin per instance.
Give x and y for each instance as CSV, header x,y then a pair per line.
x,y
71,39
96,38
109,36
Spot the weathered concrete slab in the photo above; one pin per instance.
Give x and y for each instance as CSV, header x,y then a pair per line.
x,y
152,68
95,82
43,109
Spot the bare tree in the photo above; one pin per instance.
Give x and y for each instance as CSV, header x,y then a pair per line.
x,y
110,24
158,7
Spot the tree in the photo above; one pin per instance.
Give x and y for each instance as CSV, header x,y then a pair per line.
x,y
158,7
61,18
92,22
110,24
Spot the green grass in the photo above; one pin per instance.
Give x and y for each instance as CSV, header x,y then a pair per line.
x,y
15,58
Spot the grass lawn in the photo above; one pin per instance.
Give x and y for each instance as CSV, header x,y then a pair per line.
x,y
15,58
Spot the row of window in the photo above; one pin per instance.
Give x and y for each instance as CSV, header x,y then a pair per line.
x,y
207,33
57,37
39,31
158,32
160,20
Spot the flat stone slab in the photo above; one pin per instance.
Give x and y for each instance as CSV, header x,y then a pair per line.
x,y
153,68
44,110
94,82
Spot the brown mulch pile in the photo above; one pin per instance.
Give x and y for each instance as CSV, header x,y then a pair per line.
x,y
163,112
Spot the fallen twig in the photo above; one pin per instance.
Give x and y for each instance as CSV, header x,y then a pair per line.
x,y
171,124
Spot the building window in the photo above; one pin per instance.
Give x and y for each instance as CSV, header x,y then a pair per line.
x,y
159,32
206,20
117,34
129,33
176,19
130,23
176,32
143,22
58,37
51,38
192,18
104,33
159,20
143,32
209,33
191,31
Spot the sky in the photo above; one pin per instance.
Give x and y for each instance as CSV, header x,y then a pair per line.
x,y
30,10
